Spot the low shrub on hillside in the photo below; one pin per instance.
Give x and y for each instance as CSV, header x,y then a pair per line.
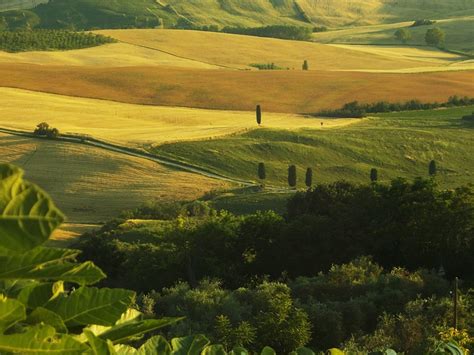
x,y
44,40
267,66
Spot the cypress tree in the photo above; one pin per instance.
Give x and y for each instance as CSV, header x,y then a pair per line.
x,y
262,174
309,177
374,175
292,176
305,65
432,169
259,115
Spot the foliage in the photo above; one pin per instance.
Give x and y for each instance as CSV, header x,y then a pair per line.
x,y
44,130
47,303
45,40
258,113
435,37
292,178
309,177
357,110
468,117
266,66
403,35
374,175
305,65
432,169
262,175
317,29
252,317
423,22
296,33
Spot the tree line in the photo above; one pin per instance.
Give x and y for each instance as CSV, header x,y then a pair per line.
x,y
356,109
29,40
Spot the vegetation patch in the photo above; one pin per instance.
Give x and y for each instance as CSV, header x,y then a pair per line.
x,y
46,40
296,33
358,110
267,66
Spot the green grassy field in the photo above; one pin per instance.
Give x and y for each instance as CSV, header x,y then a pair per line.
x,y
459,34
398,144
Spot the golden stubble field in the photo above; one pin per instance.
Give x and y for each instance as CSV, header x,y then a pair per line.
x,y
92,185
137,125
276,91
237,51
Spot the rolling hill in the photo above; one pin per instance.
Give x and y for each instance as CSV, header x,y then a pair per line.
x,y
89,14
398,144
93,185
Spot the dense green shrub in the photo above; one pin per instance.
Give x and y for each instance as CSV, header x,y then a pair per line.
x,y
44,40
266,66
254,317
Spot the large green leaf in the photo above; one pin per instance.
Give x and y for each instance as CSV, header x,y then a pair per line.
x,y
44,316
99,346
238,350
49,264
124,332
11,312
90,305
303,351
190,345
214,350
27,214
41,339
268,351
156,345
37,294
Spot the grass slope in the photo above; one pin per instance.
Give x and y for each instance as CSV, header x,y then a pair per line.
x,y
276,91
92,185
459,34
89,14
129,124
398,144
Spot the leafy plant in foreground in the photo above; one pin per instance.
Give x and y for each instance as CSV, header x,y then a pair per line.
x,y
47,303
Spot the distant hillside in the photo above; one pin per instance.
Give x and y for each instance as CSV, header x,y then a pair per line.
x,y
93,14
8,5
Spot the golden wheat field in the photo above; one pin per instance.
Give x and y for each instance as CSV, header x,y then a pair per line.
x,y
237,51
109,55
137,124
93,185
276,91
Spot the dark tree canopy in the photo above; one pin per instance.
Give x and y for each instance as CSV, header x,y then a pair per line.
x,y
435,37
433,169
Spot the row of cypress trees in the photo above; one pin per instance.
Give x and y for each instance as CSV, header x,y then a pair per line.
x,y
292,175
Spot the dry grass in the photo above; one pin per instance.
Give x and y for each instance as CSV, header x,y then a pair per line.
x,y
92,185
136,124
240,51
110,55
276,91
